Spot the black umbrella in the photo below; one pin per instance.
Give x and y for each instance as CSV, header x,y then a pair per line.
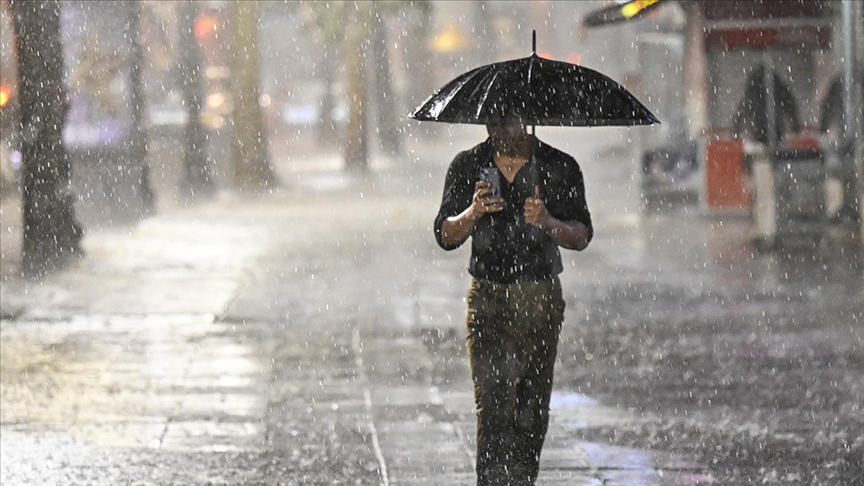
x,y
540,92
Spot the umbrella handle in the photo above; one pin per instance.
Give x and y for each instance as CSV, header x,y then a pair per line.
x,y
532,158
534,232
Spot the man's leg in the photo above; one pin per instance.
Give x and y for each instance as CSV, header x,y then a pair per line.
x,y
494,372
542,309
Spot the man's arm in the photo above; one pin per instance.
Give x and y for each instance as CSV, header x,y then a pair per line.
x,y
456,229
572,235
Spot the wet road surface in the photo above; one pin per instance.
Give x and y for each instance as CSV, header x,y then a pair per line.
x,y
314,336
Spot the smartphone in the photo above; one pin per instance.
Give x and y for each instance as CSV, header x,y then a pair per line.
x,y
493,176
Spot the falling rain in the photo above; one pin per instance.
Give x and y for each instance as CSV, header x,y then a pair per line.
x,y
219,265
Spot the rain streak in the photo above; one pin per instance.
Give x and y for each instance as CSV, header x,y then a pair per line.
x,y
607,242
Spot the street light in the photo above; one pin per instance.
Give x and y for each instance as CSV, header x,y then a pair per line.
x,y
5,95
620,12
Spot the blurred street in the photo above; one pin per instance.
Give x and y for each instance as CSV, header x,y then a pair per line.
x,y
315,336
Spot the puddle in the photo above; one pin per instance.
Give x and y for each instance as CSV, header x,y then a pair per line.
x,y
570,400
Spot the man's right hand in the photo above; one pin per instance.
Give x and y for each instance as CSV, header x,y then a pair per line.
x,y
481,203
456,229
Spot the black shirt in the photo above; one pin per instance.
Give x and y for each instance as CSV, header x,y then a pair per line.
x,y
504,247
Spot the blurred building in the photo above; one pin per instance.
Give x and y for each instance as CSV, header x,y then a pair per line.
x,y
712,67
9,160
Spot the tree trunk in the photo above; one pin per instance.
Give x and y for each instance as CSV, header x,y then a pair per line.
x,y
419,66
138,133
251,161
356,143
389,136
52,235
198,175
326,128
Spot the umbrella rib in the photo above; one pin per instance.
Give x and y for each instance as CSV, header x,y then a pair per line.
x,y
482,103
441,106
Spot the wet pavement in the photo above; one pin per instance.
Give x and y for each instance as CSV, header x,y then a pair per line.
x,y
315,336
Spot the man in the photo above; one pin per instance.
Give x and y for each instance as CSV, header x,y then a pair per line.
x,y
839,149
515,303
751,115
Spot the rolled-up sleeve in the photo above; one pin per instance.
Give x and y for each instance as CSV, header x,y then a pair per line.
x,y
458,191
578,204
565,198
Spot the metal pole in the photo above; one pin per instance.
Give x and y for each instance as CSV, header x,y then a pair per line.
x,y
770,108
852,105
696,71
770,198
848,72
858,23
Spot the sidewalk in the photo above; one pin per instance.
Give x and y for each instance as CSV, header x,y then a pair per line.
x,y
314,336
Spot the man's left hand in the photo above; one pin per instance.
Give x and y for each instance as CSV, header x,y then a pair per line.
x,y
535,210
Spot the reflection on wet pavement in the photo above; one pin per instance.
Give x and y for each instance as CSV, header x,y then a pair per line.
x,y
124,352
179,382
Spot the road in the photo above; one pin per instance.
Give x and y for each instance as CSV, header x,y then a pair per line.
x,y
315,336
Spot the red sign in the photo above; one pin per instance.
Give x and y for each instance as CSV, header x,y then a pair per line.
x,y
803,36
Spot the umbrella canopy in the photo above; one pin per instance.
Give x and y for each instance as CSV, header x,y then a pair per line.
x,y
537,90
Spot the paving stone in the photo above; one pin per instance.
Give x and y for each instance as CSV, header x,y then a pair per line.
x,y
588,415
215,366
654,477
417,395
685,478
405,446
221,382
201,404
559,477
572,458
630,477
122,432
443,479
212,436
395,361
604,456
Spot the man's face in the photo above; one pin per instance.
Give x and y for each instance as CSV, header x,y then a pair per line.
x,y
506,134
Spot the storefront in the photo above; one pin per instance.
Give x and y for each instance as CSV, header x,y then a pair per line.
x,y
734,55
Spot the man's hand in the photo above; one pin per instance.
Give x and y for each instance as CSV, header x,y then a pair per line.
x,y
456,229
481,203
535,210
572,235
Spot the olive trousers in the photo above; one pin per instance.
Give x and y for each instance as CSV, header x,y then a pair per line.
x,y
512,340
